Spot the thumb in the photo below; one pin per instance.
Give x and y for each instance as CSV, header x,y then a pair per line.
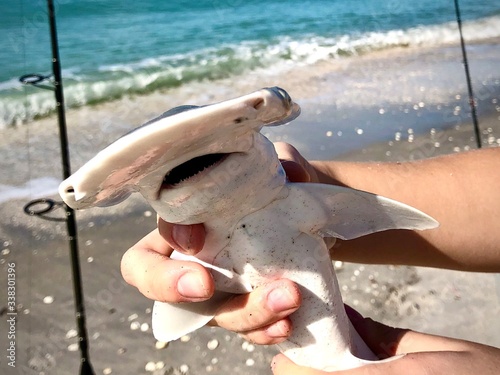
x,y
383,340
281,365
295,172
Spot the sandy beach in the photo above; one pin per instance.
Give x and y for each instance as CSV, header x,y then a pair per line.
x,y
398,104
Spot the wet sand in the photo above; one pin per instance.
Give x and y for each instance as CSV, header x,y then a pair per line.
x,y
390,105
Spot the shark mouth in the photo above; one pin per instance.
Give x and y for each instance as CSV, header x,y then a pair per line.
x,y
191,168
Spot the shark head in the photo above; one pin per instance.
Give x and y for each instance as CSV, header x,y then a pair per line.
x,y
191,157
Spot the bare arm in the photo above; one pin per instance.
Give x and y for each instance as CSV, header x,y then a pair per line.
x,y
461,191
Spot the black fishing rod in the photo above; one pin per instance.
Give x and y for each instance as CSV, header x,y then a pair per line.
x,y
472,101
86,367
34,79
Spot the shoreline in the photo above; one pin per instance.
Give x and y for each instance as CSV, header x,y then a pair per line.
x,y
325,66
410,146
351,93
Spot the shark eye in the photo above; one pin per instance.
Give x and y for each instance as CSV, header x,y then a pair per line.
x,y
191,167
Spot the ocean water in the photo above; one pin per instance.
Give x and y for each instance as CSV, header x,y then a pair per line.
x,y
110,48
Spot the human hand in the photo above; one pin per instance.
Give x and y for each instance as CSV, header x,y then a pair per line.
x,y
297,168
419,353
261,316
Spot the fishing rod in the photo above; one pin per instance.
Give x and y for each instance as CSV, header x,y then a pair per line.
x,y
472,101
71,227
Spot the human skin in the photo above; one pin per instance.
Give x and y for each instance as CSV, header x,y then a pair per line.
x,y
418,353
459,191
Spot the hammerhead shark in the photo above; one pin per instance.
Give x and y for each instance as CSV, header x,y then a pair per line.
x,y
211,165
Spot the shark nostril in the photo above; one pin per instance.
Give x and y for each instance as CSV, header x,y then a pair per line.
x,y
70,190
258,103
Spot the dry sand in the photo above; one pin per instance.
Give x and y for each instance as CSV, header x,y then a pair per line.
x,y
351,95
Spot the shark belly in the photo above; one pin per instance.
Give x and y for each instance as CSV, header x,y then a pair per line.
x,y
267,245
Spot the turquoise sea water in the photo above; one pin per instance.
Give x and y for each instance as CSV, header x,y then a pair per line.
x,y
109,48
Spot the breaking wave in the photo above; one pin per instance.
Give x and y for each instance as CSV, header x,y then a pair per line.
x,y
20,104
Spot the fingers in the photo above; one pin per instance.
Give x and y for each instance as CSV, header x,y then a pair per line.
x,y
272,334
286,151
408,365
291,161
147,266
297,168
262,316
188,239
411,364
381,339
387,341
295,172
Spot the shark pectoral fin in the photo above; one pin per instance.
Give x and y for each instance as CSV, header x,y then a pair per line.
x,y
171,321
348,213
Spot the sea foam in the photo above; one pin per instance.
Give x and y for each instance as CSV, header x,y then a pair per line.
x,y
109,82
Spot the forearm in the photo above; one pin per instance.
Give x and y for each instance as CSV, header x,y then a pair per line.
x,y
461,191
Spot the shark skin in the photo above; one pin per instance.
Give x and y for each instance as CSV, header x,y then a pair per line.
x,y
212,165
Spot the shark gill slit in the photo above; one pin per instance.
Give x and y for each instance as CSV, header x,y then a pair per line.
x,y
191,168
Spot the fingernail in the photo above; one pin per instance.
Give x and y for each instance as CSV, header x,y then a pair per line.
x,y
190,285
279,329
280,300
182,235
